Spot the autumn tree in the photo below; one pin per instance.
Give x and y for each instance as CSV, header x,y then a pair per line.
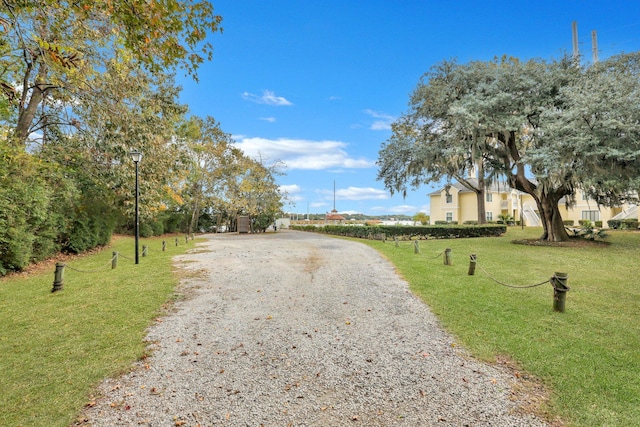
x,y
212,161
81,84
421,217
259,194
52,50
549,127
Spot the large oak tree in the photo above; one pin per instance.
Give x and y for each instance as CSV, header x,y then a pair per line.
x,y
549,127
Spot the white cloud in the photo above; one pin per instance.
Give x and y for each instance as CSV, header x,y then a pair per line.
x,y
357,193
268,97
384,120
303,154
268,119
291,188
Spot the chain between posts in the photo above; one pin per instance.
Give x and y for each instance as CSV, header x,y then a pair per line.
x,y
508,285
93,271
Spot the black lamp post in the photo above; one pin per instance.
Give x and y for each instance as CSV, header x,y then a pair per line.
x,y
137,156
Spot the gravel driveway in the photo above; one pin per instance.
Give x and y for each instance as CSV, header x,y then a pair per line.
x,y
298,329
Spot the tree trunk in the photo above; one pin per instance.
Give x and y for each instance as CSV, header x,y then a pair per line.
x,y
554,230
25,119
194,217
482,210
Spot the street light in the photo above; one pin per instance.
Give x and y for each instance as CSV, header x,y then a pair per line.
x,y
137,156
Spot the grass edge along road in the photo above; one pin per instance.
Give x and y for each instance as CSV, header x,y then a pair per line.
x,y
589,356
55,348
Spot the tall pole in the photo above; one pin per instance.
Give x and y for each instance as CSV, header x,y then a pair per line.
x,y
594,46
136,156
576,50
137,217
334,195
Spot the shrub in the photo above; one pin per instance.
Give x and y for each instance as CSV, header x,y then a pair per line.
x,y
614,224
25,208
409,232
568,222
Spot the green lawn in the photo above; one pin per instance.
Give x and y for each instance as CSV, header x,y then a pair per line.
x,y
589,356
56,347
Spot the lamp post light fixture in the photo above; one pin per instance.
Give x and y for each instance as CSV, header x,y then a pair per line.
x,y
136,156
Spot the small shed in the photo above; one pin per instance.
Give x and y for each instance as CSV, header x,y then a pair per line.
x,y
244,224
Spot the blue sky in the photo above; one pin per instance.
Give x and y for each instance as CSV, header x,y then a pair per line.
x,y
316,84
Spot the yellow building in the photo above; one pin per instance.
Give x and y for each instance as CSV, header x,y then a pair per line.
x,y
458,204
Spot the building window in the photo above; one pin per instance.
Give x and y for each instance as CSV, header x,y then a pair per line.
x,y
584,197
489,216
591,215
448,198
489,197
449,216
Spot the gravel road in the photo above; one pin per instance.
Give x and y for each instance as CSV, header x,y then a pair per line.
x,y
298,329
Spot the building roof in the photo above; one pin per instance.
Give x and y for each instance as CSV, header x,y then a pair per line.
x,y
334,216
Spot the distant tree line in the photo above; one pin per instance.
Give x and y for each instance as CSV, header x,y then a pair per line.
x,y
84,83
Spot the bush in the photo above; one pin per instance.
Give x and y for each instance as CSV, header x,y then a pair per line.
x,y
623,224
157,227
145,230
569,222
25,211
409,232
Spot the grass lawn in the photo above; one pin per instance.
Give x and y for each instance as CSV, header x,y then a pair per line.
x,y
589,356
56,347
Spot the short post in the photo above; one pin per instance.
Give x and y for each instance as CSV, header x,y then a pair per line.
x,y
186,238
193,236
416,247
164,246
395,239
447,257
58,278
176,241
384,237
560,289
144,250
114,260
472,264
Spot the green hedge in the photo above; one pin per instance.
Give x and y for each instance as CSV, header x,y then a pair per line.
x,y
409,232
623,224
